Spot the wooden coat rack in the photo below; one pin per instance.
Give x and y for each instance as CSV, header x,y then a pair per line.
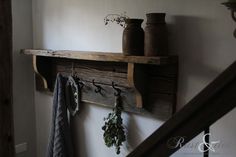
x,y
148,84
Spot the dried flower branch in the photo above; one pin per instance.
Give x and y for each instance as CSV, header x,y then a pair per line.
x,y
119,19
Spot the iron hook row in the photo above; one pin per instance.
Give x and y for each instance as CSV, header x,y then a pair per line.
x,y
118,91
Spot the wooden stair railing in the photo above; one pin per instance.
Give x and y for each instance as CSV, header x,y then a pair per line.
x,y
216,100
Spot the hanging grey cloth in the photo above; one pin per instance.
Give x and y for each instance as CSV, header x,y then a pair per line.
x,y
60,143
73,95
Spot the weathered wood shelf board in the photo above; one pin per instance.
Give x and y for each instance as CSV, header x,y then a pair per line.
x,y
148,84
102,56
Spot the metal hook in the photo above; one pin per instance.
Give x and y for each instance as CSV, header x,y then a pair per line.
x,y
118,91
81,83
78,81
99,88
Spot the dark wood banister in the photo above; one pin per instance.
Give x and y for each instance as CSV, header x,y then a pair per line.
x,y
212,103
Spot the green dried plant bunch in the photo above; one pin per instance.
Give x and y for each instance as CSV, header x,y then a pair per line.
x,y
117,18
114,134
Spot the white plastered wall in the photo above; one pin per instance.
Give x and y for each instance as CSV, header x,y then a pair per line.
x,y
200,32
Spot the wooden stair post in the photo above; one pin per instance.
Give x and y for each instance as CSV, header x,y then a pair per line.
x,y
6,115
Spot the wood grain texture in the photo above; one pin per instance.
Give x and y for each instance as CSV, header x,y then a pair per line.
x,y
146,89
6,115
212,103
102,56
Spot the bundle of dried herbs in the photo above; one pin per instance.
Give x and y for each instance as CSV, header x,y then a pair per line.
x,y
114,134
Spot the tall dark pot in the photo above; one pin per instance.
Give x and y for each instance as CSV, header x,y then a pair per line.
x,y
133,38
156,41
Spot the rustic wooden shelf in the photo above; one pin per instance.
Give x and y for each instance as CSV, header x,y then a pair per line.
x,y
102,56
148,84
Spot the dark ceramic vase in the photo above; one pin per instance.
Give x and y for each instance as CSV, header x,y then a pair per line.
x,y
156,41
133,38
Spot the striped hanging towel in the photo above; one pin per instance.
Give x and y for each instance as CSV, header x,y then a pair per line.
x,y
60,143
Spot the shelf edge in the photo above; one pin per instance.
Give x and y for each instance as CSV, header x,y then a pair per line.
x,y
102,56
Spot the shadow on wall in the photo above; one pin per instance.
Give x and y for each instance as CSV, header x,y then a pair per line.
x,y
78,132
189,38
133,137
